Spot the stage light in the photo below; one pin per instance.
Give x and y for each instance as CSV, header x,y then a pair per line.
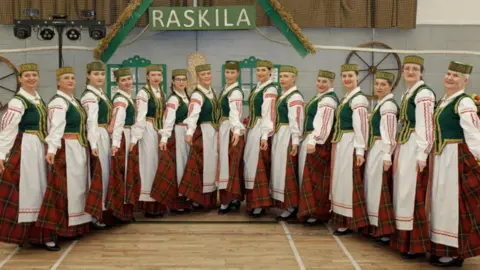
x,y
47,34
97,32
22,31
73,34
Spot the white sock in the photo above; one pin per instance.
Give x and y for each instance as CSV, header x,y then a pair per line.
x,y
385,238
311,220
291,210
180,210
195,204
342,229
446,259
50,244
286,213
235,201
224,206
257,211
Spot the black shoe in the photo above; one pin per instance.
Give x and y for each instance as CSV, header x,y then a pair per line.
x,y
409,256
98,226
152,215
185,210
197,207
259,214
382,242
314,223
223,211
339,233
235,206
54,248
291,216
458,262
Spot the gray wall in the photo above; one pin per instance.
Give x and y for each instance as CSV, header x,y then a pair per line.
x,y
172,48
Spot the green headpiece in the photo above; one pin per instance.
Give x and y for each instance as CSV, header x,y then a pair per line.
x,y
460,67
64,70
290,69
122,72
390,77
27,67
413,59
326,74
349,67
154,67
179,72
204,67
234,65
95,66
264,63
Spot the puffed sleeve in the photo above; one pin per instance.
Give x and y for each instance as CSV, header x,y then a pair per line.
x,y
57,112
10,121
360,124
194,108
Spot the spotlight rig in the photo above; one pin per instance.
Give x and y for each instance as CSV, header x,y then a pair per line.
x,y
23,28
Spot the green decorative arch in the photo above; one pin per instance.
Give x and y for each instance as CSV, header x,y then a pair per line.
x,y
137,64
247,79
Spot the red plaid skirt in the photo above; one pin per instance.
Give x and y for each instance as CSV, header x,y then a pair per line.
x,y
94,204
314,194
10,230
192,182
165,186
54,211
291,182
235,188
469,209
418,239
386,216
259,196
123,194
359,211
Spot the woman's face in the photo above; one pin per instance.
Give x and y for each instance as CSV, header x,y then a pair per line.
x,y
349,79
323,84
125,83
29,79
412,73
180,82
263,74
205,77
382,88
96,78
287,80
231,75
66,82
155,78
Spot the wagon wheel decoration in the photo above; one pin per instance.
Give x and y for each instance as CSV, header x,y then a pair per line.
x,y
371,62
8,82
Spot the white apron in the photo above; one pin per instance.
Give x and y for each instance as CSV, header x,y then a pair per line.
x,y
281,140
224,137
33,178
405,183
78,181
342,176
148,159
250,155
181,151
373,181
210,157
444,210
104,155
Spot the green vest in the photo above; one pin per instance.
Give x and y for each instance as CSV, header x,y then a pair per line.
x,y
282,110
447,124
182,110
407,115
255,101
130,110
104,109
34,119
76,119
156,106
343,118
224,104
374,123
311,111
210,109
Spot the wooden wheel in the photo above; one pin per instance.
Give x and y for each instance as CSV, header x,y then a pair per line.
x,y
8,82
371,62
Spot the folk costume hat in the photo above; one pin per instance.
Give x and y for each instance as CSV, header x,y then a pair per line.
x,y
95,66
290,69
389,77
349,67
64,70
460,67
122,72
326,74
264,63
413,59
27,67
204,67
154,67
179,72
233,65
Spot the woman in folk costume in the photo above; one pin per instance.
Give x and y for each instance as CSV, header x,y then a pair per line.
x,y
256,157
455,186
150,106
410,171
23,175
173,149
288,131
199,180
63,208
232,141
315,152
99,113
124,183
378,173
349,142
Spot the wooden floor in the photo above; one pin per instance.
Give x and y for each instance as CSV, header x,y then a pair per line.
x,y
205,240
